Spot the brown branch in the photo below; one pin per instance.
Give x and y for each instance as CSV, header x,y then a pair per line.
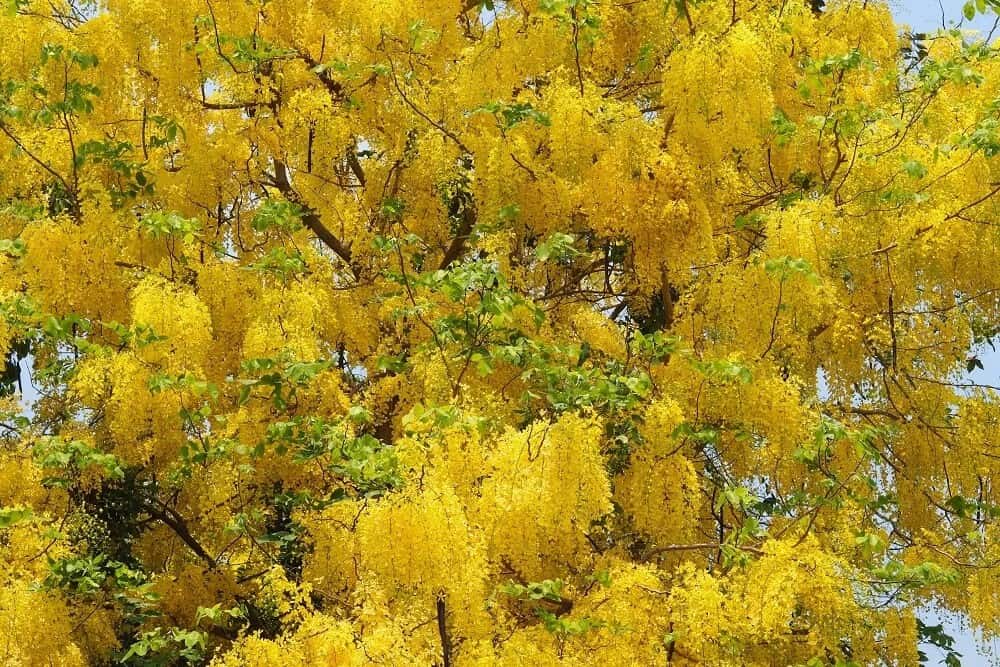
x,y
310,218
531,172
436,124
817,331
701,546
41,163
774,321
687,15
176,523
218,40
869,412
229,106
355,165
667,296
443,632
469,215
977,202
576,48
457,246
334,87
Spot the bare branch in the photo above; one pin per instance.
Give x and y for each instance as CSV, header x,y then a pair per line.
x,y
310,218
443,632
176,523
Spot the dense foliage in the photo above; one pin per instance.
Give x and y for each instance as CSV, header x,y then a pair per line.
x,y
541,332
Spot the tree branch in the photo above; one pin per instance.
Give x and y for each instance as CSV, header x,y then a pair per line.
x,y
34,158
462,234
702,546
355,165
436,124
310,218
443,632
176,523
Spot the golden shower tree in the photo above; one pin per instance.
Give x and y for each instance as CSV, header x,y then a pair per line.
x,y
540,332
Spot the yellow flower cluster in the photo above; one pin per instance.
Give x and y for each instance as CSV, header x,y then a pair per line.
x,y
177,315
550,332
553,473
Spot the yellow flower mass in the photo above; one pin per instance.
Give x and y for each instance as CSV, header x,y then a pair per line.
x,y
496,332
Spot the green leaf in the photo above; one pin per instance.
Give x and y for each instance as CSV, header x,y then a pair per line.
x,y
737,497
559,247
169,223
12,7
282,215
784,129
10,516
786,267
359,414
510,115
550,590
914,169
283,263
392,208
